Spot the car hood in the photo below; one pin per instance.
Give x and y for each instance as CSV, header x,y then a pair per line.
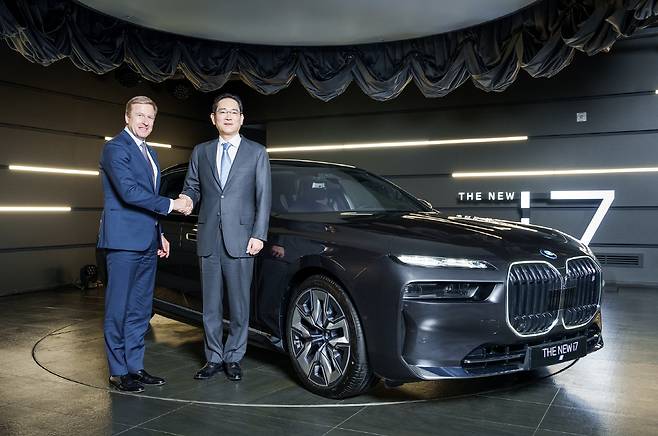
x,y
442,235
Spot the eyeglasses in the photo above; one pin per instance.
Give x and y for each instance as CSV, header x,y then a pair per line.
x,y
224,112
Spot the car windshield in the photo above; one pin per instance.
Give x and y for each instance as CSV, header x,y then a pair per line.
x,y
297,189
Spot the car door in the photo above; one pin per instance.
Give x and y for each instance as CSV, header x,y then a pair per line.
x,y
173,284
188,261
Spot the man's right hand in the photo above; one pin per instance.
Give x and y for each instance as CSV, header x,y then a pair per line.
x,y
183,204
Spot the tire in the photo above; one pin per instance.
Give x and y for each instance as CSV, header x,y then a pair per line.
x,y
325,340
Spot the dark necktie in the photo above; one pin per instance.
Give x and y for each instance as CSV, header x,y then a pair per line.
x,y
142,148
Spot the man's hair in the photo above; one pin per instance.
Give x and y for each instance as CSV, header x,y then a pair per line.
x,y
140,99
223,96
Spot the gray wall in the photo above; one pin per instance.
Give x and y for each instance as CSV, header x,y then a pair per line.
x,y
617,92
57,116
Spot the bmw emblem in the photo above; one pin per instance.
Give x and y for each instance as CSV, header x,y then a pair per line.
x,y
548,253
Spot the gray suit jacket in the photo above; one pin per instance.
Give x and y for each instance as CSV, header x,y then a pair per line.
x,y
242,207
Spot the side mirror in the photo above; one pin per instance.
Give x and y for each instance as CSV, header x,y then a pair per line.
x,y
426,203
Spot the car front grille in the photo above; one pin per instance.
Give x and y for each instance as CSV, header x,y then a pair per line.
x,y
534,297
582,294
538,295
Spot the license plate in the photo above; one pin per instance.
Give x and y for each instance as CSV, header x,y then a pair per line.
x,y
557,352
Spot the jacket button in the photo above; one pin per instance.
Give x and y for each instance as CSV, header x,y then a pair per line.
x,y
221,196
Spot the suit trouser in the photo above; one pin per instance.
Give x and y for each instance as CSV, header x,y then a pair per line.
x,y
219,271
128,306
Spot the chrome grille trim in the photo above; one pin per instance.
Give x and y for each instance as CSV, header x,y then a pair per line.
x,y
538,296
533,297
582,293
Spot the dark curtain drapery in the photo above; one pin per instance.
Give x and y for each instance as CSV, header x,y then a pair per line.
x,y
541,39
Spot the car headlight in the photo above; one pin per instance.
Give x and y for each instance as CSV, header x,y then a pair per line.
x,y
443,262
447,291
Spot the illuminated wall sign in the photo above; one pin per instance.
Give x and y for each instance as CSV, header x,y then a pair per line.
x,y
486,196
606,197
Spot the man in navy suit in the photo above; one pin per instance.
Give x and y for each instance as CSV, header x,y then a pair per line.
x,y
130,233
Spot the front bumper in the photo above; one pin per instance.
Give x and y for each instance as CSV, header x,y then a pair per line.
x,y
466,345
429,339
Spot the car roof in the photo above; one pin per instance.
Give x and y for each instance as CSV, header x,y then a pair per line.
x,y
277,162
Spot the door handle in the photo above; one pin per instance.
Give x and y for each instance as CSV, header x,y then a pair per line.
x,y
190,236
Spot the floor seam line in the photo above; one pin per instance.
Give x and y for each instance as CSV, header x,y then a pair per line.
x,y
361,431
491,397
152,419
160,431
345,420
246,412
546,411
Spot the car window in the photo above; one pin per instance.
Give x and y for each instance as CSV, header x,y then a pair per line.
x,y
327,189
172,184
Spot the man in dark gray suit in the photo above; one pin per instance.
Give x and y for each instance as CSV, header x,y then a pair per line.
x,y
230,176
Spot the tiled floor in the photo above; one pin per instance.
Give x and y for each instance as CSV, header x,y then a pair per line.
x,y
53,381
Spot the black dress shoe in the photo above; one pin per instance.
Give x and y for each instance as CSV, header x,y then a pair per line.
x,y
145,378
208,370
126,383
233,371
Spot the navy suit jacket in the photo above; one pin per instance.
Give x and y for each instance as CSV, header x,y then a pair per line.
x,y
132,203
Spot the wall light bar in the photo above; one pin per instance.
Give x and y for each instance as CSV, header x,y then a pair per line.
x,y
152,144
158,144
554,172
35,209
53,170
395,144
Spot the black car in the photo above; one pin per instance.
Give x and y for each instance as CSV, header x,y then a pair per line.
x,y
360,281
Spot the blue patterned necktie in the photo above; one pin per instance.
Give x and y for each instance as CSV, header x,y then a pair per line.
x,y
142,148
225,165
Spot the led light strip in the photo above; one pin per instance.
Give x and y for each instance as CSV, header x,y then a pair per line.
x,y
555,172
53,170
35,209
152,144
395,144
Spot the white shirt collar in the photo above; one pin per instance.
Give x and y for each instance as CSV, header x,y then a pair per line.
x,y
135,138
235,141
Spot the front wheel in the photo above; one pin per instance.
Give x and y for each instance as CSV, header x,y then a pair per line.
x,y
326,341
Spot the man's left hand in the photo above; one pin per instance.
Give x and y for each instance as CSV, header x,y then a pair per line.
x,y
254,246
163,251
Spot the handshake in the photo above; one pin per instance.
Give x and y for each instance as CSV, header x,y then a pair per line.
x,y
183,204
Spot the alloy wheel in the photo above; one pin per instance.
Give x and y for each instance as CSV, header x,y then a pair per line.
x,y
320,337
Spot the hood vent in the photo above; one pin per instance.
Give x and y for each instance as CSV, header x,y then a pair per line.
x,y
620,260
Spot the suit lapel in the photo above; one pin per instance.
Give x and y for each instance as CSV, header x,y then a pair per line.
x,y
239,157
133,149
211,155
